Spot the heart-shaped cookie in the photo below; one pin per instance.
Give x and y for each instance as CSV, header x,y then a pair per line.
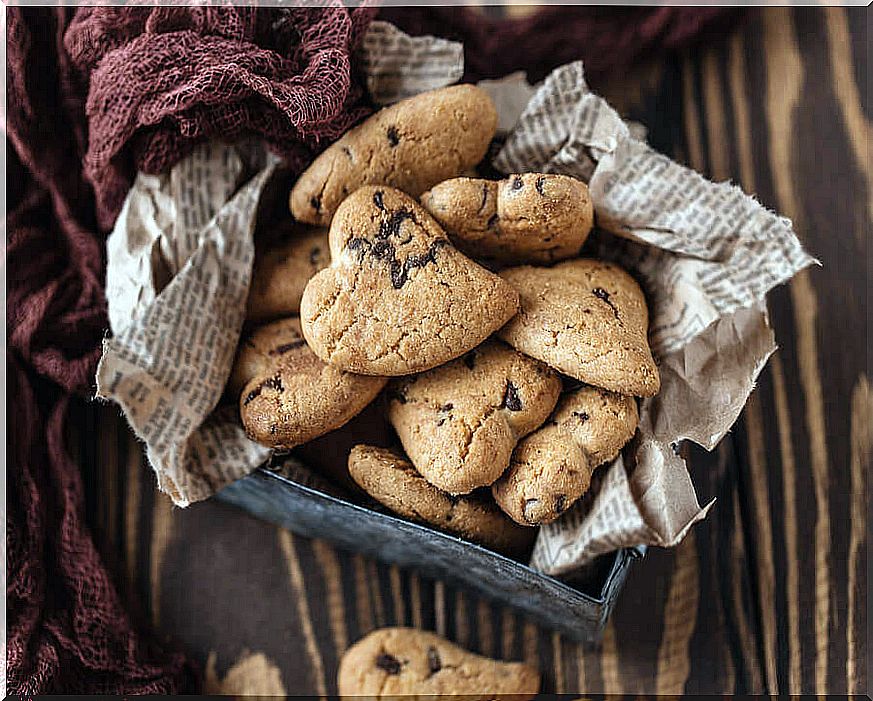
x,y
392,481
396,663
460,422
551,468
411,145
530,218
282,270
587,319
398,298
289,396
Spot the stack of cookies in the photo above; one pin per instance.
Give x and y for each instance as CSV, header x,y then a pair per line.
x,y
510,364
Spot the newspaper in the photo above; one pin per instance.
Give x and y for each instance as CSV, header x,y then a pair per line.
x,y
705,253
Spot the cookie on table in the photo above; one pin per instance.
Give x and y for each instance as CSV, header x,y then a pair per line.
x,y
530,218
588,319
290,396
460,422
411,145
391,662
281,272
398,298
392,481
551,468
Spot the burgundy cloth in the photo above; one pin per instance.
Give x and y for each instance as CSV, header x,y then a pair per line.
x,y
93,95
608,39
118,89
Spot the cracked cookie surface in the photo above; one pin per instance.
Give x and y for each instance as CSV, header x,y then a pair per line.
x,y
411,145
460,422
393,481
588,319
281,272
288,395
530,218
395,661
398,298
551,468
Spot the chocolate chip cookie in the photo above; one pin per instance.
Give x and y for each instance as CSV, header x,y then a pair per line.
x,y
587,319
398,298
394,482
530,218
281,272
551,468
392,662
411,145
290,396
460,422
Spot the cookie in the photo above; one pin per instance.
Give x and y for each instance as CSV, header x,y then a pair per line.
x,y
398,298
281,272
531,218
394,482
460,422
587,319
291,396
551,468
392,662
411,145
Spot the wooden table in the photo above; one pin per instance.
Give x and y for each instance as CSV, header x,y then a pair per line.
x,y
767,595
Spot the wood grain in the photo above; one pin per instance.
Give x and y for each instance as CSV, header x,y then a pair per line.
x,y
765,596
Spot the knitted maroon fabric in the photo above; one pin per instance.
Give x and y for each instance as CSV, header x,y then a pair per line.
x,y
607,39
118,89
93,95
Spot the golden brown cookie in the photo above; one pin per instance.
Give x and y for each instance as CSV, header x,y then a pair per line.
x,y
587,319
398,297
290,396
393,662
411,145
530,218
281,272
392,481
551,468
460,422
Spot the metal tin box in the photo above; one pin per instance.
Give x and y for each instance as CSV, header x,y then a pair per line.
x,y
579,610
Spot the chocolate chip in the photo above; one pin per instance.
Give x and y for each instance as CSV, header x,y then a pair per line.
x,y
541,181
360,246
315,203
582,416
275,383
251,395
285,347
434,663
560,503
314,255
377,200
393,136
511,400
517,183
447,407
602,294
388,663
441,421
348,152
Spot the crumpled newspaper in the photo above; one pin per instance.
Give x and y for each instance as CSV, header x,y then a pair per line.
x,y
706,254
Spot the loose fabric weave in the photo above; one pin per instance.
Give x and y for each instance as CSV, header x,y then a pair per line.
x,y
97,93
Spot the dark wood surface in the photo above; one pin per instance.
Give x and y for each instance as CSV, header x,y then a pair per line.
x,y
767,595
